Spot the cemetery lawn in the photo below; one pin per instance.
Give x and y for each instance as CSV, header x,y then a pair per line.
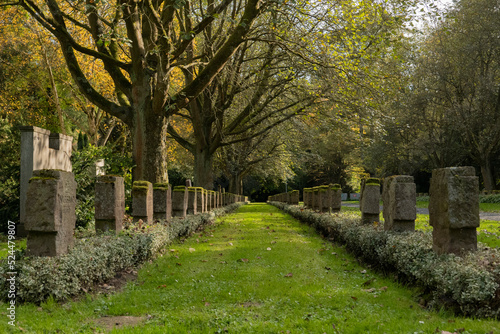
x,y
255,271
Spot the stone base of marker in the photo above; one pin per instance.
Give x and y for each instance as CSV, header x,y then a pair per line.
x,y
162,201
370,201
399,197
179,201
50,215
454,209
142,201
109,203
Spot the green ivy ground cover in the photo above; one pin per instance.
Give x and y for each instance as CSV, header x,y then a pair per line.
x,y
255,271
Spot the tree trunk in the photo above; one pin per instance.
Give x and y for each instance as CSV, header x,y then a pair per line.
x,y
203,171
235,183
149,145
487,173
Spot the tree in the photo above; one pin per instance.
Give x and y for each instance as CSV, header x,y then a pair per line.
x,y
141,46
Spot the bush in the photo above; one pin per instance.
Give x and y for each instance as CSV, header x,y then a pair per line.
x,y
10,141
494,198
96,259
469,285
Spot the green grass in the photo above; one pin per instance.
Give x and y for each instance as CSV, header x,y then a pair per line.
x,y
226,280
485,207
4,250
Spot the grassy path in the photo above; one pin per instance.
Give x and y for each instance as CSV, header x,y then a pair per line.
x,y
255,271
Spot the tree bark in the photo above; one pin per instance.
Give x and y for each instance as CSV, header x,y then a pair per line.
x,y
488,178
203,171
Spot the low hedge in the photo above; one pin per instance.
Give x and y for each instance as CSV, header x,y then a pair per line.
x,y
468,285
96,259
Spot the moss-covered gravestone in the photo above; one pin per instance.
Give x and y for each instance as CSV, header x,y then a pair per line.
x,y
142,201
294,197
316,202
50,213
454,209
400,198
335,197
370,200
324,199
179,201
109,203
162,201
308,197
193,195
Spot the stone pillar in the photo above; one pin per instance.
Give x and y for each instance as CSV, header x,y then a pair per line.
x,y
109,203
50,216
162,201
316,199
179,201
400,203
370,200
205,200
335,197
142,201
40,150
324,198
193,195
454,209
294,197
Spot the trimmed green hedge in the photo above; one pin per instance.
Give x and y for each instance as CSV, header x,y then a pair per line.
x,y
468,285
96,259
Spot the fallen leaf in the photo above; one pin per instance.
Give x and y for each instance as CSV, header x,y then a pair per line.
x,y
363,271
367,283
258,257
204,260
273,242
223,262
162,286
328,268
178,264
446,332
243,260
211,244
268,248
289,275
230,244
384,288
354,298
369,290
191,250
173,250
207,304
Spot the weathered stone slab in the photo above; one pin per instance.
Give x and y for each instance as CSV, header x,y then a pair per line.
x,y
142,201
335,197
109,203
324,198
294,197
370,200
179,201
50,215
454,209
162,201
399,197
194,195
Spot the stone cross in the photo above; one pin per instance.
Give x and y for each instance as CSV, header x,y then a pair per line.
x,y
162,201
454,209
109,203
370,200
50,216
399,198
142,201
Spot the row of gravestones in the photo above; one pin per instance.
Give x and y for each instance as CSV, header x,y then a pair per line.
x,y
51,194
453,206
320,198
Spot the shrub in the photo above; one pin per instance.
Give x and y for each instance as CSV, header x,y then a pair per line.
x,y
10,141
96,259
469,285
494,198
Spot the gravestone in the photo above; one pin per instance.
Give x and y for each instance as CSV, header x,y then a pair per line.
x,y
316,202
179,201
40,149
335,197
370,200
193,196
454,209
142,201
324,198
294,197
308,198
399,198
162,201
109,203
50,216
